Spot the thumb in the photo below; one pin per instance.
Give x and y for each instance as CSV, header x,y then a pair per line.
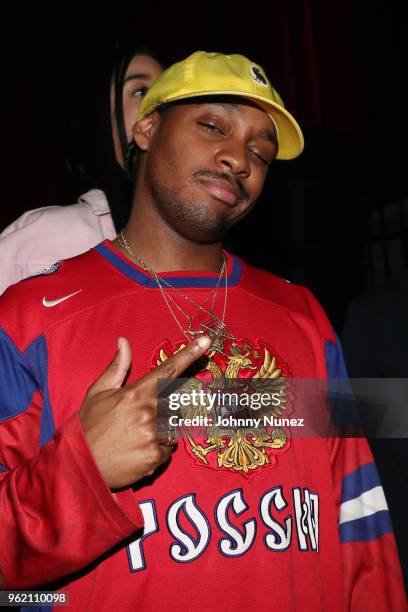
x,y
115,373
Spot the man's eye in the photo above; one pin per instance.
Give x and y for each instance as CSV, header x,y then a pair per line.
x,y
210,127
140,92
258,156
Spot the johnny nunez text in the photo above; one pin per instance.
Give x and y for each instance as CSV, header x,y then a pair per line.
x,y
234,422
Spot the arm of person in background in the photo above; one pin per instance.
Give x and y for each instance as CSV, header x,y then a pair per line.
x,y
58,512
357,340
40,237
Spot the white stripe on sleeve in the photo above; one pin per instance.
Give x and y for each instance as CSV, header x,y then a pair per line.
x,y
367,503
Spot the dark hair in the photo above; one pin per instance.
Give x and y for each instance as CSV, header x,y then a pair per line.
x,y
90,160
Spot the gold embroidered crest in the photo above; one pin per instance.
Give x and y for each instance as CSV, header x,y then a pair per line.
x,y
244,440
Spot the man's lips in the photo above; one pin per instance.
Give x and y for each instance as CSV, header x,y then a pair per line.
x,y
222,190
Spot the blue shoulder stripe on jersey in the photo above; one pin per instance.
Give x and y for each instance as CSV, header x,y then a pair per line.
x,y
340,395
363,479
3,468
17,383
175,281
367,528
37,356
336,367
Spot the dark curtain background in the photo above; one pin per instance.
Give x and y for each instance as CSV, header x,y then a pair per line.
x,y
338,65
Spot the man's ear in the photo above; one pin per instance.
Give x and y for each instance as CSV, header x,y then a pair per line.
x,y
144,129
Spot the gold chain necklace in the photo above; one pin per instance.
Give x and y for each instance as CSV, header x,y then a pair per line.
x,y
214,327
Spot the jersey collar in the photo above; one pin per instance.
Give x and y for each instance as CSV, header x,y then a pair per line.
x,y
176,279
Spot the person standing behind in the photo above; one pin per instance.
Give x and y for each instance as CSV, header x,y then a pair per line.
x,y
99,143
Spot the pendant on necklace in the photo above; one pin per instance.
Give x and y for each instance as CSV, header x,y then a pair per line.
x,y
213,327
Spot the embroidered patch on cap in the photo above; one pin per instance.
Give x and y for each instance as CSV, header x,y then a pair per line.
x,y
258,76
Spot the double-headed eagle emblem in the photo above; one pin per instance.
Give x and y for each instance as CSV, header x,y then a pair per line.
x,y
240,368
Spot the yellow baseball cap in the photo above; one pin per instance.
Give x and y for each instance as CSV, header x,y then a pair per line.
x,y
204,74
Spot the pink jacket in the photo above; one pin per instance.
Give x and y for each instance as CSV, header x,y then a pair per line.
x,y
42,236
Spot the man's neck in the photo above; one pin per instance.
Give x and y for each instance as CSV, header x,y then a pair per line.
x,y
164,250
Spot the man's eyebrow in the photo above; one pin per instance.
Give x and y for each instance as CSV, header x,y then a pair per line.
x,y
269,135
264,133
229,106
133,77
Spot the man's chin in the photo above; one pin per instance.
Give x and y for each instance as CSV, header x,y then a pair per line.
x,y
202,235
199,222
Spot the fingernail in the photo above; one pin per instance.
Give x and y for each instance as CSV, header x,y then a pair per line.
x,y
204,342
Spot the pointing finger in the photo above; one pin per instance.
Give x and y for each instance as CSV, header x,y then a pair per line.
x,y
175,366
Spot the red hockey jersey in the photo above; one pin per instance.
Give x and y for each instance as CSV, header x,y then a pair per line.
x,y
300,526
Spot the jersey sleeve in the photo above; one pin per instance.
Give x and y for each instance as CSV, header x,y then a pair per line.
x,y
371,567
57,513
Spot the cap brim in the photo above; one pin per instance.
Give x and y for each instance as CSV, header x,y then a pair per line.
x,y
290,137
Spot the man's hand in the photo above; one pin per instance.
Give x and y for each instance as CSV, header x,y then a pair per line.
x,y
120,422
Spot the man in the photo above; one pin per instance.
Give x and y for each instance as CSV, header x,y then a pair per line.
x,y
116,515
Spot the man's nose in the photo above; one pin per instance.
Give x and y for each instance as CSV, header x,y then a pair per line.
x,y
233,157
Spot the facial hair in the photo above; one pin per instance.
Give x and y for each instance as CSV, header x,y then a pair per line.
x,y
191,220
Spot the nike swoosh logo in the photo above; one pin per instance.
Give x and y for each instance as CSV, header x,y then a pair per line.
x,y
51,303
